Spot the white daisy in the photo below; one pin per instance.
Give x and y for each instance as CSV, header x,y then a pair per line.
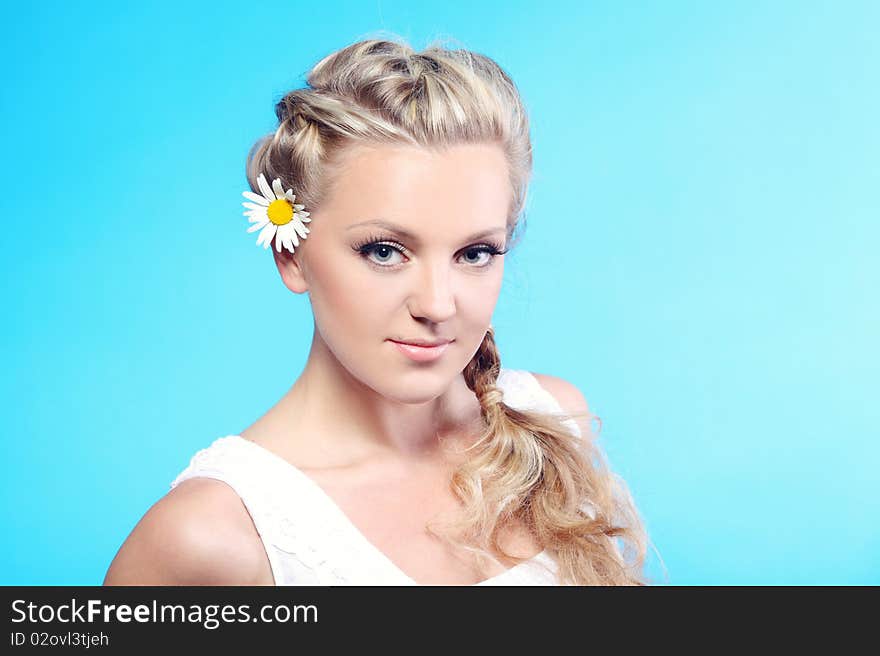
x,y
276,215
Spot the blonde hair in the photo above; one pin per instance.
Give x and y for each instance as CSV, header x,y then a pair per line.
x,y
527,468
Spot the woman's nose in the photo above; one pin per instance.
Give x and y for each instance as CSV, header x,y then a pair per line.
x,y
433,298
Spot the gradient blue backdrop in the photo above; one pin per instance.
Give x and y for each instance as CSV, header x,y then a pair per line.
x,y
700,259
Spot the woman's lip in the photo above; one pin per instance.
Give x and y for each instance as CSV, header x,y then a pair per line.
x,y
420,353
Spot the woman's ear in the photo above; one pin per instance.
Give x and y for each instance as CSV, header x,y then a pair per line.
x,y
290,269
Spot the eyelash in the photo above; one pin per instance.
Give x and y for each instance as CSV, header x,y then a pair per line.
x,y
365,247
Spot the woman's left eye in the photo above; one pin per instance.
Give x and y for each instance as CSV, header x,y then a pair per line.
x,y
478,251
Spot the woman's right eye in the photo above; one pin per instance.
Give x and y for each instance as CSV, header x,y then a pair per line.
x,y
381,253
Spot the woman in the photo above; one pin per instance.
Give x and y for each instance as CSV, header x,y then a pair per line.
x,y
403,453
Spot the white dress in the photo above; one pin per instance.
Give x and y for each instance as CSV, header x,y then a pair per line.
x,y
307,537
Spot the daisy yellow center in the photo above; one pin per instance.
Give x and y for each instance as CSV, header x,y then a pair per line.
x,y
280,212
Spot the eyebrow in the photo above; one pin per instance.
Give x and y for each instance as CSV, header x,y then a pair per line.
x,y
406,234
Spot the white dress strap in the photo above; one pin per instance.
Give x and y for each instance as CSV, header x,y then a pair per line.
x,y
523,392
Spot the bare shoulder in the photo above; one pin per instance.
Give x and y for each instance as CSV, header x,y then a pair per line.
x,y
569,397
200,533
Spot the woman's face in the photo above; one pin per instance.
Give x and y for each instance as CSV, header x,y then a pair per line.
x,y
404,248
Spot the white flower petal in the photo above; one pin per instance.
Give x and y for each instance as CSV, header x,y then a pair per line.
x,y
289,195
266,235
285,232
299,208
254,206
265,189
290,233
300,228
258,225
277,188
294,239
256,198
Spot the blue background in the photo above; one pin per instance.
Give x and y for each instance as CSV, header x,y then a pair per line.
x,y
700,258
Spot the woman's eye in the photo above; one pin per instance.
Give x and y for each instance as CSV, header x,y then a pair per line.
x,y
383,254
473,256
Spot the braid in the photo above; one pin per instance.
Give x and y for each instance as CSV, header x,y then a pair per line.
x,y
528,469
481,374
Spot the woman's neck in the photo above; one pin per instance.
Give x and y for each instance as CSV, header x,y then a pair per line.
x,y
330,416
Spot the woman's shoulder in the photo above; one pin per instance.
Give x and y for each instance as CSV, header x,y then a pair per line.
x,y
200,533
568,395
564,394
